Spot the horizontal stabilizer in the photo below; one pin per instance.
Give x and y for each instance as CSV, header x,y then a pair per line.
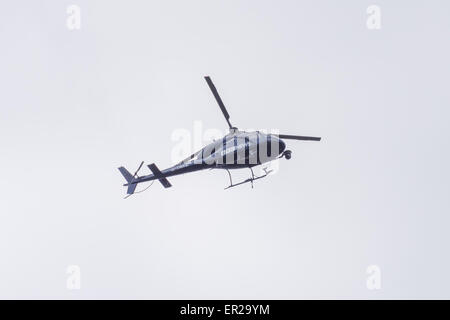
x,y
158,175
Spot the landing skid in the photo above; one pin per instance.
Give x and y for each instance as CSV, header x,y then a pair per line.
x,y
253,178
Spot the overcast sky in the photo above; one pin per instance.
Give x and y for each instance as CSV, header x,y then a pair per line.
x,y
76,104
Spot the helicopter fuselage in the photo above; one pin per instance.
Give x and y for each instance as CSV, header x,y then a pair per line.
x,y
238,149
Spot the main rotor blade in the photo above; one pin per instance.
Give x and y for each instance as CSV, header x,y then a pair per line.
x,y
287,136
219,100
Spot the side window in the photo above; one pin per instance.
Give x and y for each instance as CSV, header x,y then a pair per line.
x,y
247,152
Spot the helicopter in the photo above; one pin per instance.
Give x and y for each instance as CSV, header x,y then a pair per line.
x,y
237,149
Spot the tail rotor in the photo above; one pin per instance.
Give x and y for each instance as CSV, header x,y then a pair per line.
x,y
130,178
139,168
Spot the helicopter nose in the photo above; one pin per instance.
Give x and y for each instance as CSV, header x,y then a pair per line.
x,y
281,146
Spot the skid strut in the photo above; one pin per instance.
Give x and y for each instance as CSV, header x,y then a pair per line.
x,y
253,178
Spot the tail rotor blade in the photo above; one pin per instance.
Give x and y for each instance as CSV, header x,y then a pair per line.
x,y
219,100
140,166
292,137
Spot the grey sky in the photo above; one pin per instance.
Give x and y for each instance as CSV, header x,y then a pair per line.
x,y
75,105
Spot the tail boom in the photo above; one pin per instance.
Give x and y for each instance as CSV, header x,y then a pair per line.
x,y
159,175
